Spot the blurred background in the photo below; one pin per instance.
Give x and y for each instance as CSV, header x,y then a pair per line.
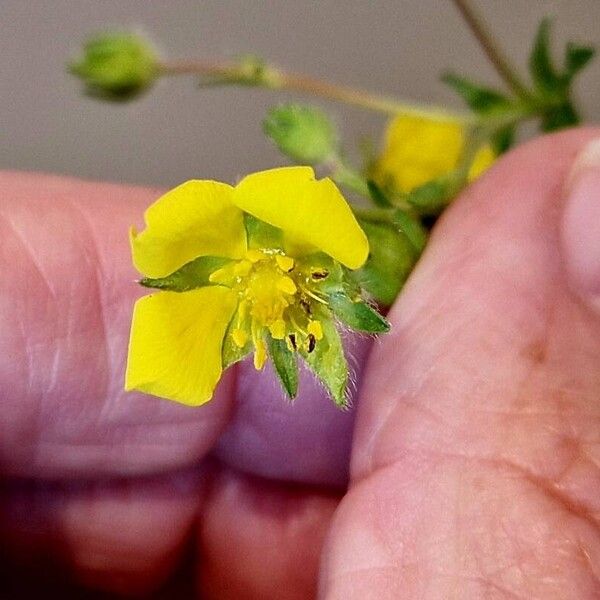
x,y
177,132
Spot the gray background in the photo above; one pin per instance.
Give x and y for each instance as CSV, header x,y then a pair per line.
x,y
178,132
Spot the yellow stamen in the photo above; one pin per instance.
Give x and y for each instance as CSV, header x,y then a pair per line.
x,y
255,256
313,296
286,285
285,263
223,275
240,337
316,329
277,329
260,354
242,268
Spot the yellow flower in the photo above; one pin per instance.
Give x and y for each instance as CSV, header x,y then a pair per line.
x,y
417,150
260,253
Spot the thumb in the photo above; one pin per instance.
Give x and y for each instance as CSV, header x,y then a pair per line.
x,y
475,461
580,226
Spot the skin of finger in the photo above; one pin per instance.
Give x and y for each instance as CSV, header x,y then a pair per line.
x,y
474,469
66,296
261,539
306,440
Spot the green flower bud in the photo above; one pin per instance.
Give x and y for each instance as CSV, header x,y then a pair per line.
x,y
303,133
116,66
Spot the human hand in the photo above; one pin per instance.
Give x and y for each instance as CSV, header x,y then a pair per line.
x,y
474,462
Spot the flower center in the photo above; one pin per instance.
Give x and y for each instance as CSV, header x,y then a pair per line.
x,y
276,295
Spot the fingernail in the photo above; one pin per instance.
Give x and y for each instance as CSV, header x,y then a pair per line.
x,y
581,224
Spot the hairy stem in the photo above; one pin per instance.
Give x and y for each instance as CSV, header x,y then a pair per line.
x,y
220,73
491,48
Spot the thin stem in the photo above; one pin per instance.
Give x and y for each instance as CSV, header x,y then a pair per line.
x,y
493,51
282,80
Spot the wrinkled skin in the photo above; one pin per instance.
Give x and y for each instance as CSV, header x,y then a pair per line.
x,y
474,465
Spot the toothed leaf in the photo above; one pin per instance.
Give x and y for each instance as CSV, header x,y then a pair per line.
x,y
328,363
285,364
357,315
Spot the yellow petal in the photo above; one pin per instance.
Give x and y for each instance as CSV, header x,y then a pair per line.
x,y
483,160
175,344
418,150
195,219
311,213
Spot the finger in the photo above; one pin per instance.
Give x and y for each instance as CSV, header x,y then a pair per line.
x,y
476,451
580,226
121,536
261,539
66,296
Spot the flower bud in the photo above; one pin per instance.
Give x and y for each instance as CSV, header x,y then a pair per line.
x,y
116,66
303,133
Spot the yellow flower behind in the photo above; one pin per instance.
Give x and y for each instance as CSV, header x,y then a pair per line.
x,y
248,291
417,150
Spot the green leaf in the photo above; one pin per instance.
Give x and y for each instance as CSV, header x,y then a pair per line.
x,y
479,98
391,259
503,139
577,57
412,228
304,133
285,364
560,117
541,68
377,195
432,197
328,362
192,275
357,315
231,352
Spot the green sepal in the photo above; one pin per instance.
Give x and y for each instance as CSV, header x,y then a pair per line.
x,y
231,352
378,195
479,98
192,275
304,133
391,259
261,234
286,365
328,362
357,314
412,228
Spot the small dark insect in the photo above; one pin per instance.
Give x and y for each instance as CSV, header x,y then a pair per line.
x,y
312,342
292,339
318,274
